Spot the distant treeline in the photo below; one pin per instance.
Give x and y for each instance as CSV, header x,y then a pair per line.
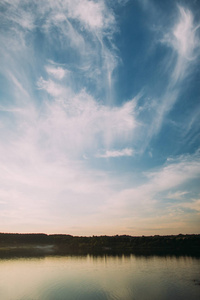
x,y
61,244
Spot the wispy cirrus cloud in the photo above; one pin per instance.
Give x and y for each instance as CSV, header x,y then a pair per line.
x,y
52,88
184,41
84,27
143,203
57,72
75,123
193,205
116,153
96,58
94,15
177,195
15,15
182,37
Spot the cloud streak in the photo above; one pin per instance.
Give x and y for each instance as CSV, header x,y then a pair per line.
x,y
116,153
185,43
58,73
183,40
143,203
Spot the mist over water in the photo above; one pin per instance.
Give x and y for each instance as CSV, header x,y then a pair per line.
x,y
100,277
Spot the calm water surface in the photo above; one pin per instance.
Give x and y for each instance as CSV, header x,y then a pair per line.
x,y
103,278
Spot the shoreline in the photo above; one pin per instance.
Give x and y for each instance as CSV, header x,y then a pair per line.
x,y
33,245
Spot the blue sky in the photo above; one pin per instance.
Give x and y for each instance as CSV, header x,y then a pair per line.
x,y
99,116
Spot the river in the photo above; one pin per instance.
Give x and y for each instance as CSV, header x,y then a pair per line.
x,y
100,277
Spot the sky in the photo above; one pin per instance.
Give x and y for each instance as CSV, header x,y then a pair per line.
x,y
99,116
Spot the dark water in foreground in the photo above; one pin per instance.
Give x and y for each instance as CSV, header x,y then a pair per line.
x,y
103,278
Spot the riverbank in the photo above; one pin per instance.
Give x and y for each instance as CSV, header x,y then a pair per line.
x,y
12,244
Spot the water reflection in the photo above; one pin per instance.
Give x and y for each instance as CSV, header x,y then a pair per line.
x,y
100,277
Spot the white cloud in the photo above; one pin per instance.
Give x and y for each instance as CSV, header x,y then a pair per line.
x,y
69,124
177,195
146,200
52,88
17,15
18,85
77,123
84,27
116,153
183,39
173,175
58,73
37,189
93,15
193,205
